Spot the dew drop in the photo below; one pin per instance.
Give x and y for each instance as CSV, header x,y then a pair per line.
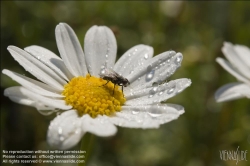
x,y
77,131
134,112
103,71
120,124
172,53
60,130
178,59
149,68
153,91
61,138
150,75
172,88
106,55
159,61
160,93
146,56
154,113
155,84
139,120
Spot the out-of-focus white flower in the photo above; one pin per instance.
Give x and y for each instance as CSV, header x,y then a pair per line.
x,y
73,84
238,65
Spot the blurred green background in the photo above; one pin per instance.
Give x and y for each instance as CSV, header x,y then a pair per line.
x,y
197,29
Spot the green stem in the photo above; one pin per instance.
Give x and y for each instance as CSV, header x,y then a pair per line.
x,y
86,145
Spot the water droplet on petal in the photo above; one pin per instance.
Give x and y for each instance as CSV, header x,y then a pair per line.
x,y
172,53
149,68
152,91
77,131
150,75
139,120
120,124
134,112
154,113
159,61
171,90
102,71
155,89
61,138
160,93
59,130
155,84
178,59
146,56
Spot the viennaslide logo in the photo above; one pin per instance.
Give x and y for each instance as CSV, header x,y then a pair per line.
x,y
236,155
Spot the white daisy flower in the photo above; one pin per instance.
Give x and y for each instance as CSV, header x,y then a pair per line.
x,y
90,103
238,65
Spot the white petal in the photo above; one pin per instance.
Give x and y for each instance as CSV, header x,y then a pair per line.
x,y
232,91
24,100
44,110
98,126
17,91
228,67
147,116
157,94
51,60
36,68
33,85
65,130
100,49
157,70
70,50
134,57
235,59
244,54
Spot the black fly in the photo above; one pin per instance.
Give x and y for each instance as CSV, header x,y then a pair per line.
x,y
115,78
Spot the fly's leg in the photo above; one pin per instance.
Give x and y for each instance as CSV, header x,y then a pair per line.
x,y
105,84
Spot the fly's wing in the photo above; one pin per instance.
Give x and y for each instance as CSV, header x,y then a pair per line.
x,y
120,79
108,73
114,73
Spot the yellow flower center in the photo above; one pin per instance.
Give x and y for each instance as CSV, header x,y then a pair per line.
x,y
90,95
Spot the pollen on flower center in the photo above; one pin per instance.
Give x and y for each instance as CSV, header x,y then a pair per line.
x,y
90,95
